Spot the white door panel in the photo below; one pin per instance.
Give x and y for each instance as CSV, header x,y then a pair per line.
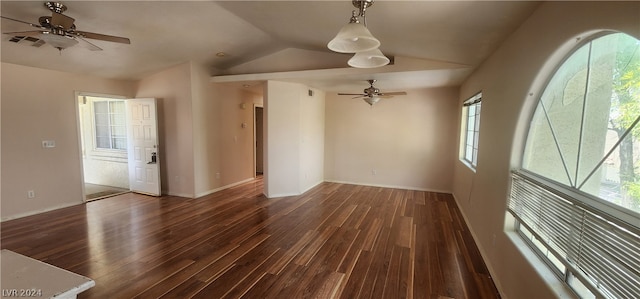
x,y
144,164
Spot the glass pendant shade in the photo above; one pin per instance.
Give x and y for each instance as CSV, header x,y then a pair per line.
x,y
368,59
353,38
58,41
371,100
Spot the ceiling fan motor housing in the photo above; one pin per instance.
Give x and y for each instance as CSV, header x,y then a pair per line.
x,y
371,91
56,7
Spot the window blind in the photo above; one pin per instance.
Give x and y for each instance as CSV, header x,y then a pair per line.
x,y
600,251
473,100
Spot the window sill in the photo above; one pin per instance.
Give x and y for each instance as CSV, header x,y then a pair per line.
x,y
555,284
107,154
466,163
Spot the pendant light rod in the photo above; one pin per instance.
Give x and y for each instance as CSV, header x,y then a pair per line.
x,y
362,6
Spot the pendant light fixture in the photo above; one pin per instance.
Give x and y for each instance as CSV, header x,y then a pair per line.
x,y
353,37
356,38
368,59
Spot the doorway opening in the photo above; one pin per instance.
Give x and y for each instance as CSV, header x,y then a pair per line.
x,y
103,141
258,140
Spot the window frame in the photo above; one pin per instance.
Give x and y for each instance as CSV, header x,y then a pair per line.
x,y
618,212
474,101
110,136
615,214
574,198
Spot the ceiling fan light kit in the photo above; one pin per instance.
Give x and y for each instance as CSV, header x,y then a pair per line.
x,y
356,38
371,100
60,42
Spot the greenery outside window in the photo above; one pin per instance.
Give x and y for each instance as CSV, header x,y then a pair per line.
x,y
576,199
110,124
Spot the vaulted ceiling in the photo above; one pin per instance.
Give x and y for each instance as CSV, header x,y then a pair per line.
x,y
431,43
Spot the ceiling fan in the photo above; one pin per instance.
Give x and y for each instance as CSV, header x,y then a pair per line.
x,y
60,31
372,95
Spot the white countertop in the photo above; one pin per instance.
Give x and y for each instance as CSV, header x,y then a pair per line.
x,y
24,277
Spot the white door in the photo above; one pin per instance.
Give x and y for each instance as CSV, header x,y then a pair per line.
x,y
142,145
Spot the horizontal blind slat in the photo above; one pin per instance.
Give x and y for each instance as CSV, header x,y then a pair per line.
x,y
607,252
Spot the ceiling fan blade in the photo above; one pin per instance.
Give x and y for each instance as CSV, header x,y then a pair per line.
x,y
60,20
351,94
88,45
24,33
23,22
397,93
361,96
104,37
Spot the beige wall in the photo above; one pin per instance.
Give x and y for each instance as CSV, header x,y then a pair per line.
x,y
201,135
224,148
173,91
205,137
406,141
519,67
41,105
312,138
294,139
200,128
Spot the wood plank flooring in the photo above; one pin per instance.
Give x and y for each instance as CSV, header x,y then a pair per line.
x,y
335,241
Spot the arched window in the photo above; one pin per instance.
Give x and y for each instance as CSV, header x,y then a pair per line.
x,y
577,196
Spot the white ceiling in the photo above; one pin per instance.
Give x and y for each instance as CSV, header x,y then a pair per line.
x,y
433,43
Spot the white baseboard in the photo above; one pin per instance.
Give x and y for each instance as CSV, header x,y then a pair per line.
x,y
281,195
389,186
357,183
201,194
480,248
311,187
178,194
31,213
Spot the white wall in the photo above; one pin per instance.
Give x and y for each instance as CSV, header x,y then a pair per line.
x,y
510,81
41,105
405,142
294,123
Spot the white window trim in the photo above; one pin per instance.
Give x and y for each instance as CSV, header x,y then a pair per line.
x,y
89,149
474,100
93,128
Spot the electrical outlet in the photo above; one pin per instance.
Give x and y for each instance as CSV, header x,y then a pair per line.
x,y
217,175
31,194
374,172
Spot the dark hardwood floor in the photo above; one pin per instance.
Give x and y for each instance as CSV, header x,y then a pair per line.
x,y
335,241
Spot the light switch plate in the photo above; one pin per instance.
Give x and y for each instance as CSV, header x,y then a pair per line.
x,y
48,143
